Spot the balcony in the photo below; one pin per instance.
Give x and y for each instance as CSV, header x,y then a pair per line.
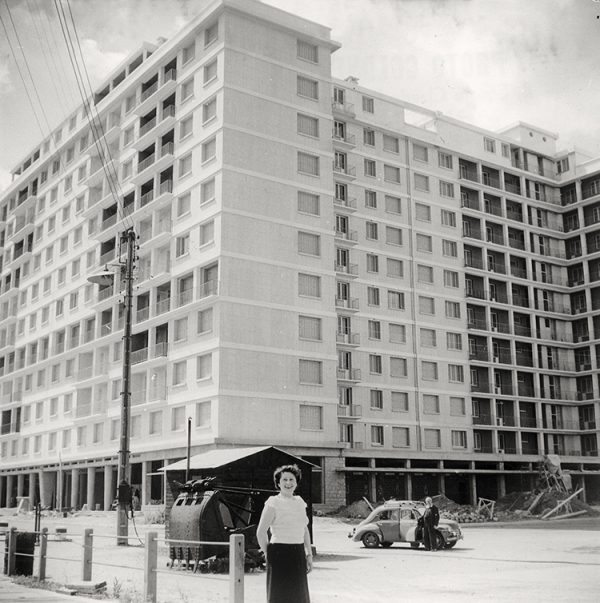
x,y
348,374
346,269
160,350
207,289
162,306
347,139
185,297
155,128
151,95
348,203
155,162
482,419
138,356
351,303
142,314
347,338
350,236
349,410
344,170
343,108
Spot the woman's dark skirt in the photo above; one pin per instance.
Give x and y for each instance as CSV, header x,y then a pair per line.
x,y
286,574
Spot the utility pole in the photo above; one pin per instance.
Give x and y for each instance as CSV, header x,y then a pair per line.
x,y
124,496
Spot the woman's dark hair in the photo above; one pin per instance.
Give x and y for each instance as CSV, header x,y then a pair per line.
x,y
293,469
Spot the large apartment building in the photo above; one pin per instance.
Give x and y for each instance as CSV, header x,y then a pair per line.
x,y
404,299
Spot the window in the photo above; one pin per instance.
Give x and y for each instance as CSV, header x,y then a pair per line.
x,y
307,87
180,328
210,71
395,300
422,182
128,137
207,191
445,160
457,406
391,173
376,397
368,104
372,296
424,274
398,367
489,144
422,212
127,169
188,53
310,328
420,152
211,34
454,341
391,143
393,204
203,414
424,243
68,183
428,338
446,189
429,370
179,372
308,164
377,435
426,305
311,417
155,422
182,245
371,228
452,309
205,321
311,372
448,218
370,199
308,203
374,329
209,110
185,165
375,364
562,165
432,438
400,437
81,433
307,51
186,127
459,439
372,263
399,401
456,373
395,268
187,89
451,279
207,233
431,404
397,333
209,150
370,168
309,285
309,244
369,137
184,204
449,248
307,125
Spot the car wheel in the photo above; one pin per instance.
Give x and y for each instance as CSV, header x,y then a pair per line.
x,y
449,545
386,545
370,540
439,541
414,545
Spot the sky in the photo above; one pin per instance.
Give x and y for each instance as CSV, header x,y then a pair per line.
x,y
488,62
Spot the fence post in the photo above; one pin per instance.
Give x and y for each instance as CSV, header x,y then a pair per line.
x,y
12,550
86,567
236,568
150,566
43,547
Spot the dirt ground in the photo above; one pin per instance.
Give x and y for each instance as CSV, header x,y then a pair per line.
x,y
533,561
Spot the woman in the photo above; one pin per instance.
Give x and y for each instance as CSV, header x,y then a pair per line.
x,y
289,553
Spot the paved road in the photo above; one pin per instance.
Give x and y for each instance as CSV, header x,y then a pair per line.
x,y
13,593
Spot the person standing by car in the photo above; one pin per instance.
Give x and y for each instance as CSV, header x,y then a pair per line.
x,y
431,518
288,554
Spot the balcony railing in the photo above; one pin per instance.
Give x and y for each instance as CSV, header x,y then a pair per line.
x,y
348,338
148,92
148,126
208,288
351,269
348,374
347,170
352,303
140,355
349,410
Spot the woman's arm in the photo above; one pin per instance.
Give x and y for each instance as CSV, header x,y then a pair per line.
x,y
308,549
266,519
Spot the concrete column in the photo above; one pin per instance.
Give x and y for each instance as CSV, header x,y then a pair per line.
x,y
334,482
473,488
2,490
74,488
372,482
91,484
20,484
501,486
409,488
108,487
146,481
47,487
9,487
442,483
32,483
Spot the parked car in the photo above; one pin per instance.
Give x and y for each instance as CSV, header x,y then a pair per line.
x,y
401,521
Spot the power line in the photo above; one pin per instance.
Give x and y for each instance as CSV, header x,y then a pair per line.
x,y
21,76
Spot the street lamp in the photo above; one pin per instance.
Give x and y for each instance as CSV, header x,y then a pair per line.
x,y
106,277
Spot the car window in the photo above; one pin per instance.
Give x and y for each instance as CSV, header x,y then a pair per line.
x,y
406,514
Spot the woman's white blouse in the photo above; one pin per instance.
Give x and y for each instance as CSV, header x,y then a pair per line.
x,y
290,519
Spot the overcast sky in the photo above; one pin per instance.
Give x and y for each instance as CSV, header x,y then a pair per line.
x,y
489,62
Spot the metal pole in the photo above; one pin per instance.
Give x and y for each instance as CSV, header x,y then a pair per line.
x,y
189,444
124,469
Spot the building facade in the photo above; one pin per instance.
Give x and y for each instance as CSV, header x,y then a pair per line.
x,y
401,298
